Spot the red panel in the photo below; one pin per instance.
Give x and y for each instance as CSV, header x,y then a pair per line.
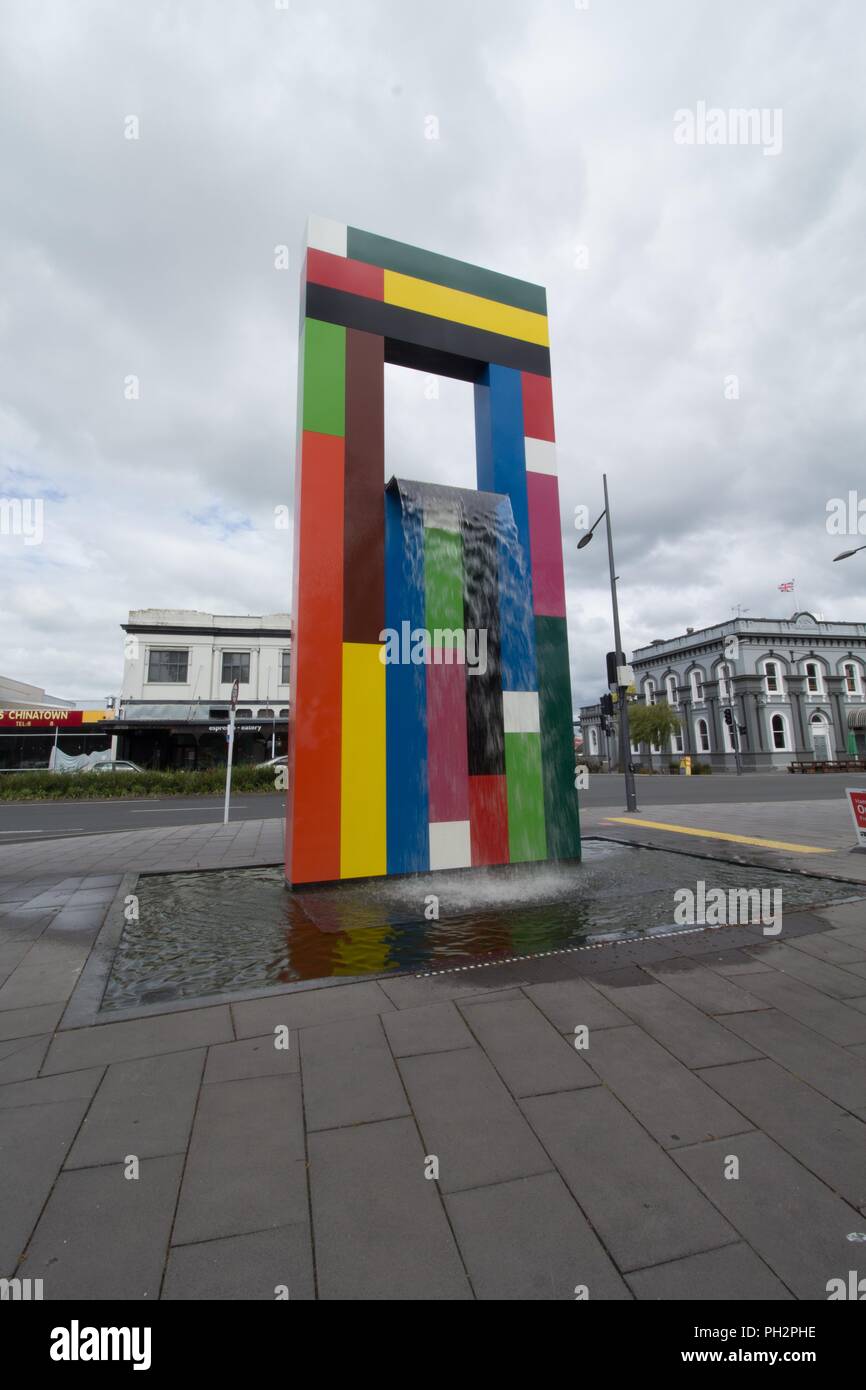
x,y
338,273
318,652
537,406
545,544
447,752
488,820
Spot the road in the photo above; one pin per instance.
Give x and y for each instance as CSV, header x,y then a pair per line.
x,y
24,821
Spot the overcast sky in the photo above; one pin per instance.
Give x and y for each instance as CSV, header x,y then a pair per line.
x,y
671,269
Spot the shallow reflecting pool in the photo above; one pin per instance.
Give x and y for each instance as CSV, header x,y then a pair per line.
x,y
239,929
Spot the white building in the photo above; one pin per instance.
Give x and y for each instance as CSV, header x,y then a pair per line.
x,y
178,672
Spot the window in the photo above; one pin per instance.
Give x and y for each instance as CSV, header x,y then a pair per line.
x,y
813,678
593,740
677,741
697,688
284,714
266,714
779,732
649,691
773,678
243,714
236,667
723,681
852,678
703,736
167,667
285,663
671,688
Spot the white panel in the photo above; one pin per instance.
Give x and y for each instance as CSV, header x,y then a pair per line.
x,y
325,235
520,711
450,845
540,456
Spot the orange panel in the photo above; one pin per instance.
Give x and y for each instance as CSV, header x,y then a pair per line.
x,y
314,791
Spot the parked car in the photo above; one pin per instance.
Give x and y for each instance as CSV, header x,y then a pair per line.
x,y
282,761
119,766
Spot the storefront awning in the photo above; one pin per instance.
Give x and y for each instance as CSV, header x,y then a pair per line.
x,y
857,718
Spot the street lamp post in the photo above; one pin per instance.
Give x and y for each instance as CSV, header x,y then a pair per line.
x,y
846,554
624,741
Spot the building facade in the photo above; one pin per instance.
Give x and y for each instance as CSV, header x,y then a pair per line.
x,y
178,673
795,688
33,722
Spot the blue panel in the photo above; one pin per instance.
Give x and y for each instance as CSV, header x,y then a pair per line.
x,y
405,693
516,619
501,464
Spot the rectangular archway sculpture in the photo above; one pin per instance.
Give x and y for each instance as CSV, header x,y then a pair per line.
x,y
431,715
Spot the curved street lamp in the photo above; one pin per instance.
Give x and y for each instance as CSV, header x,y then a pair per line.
x,y
846,554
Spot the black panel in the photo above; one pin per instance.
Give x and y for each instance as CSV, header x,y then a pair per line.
x,y
424,333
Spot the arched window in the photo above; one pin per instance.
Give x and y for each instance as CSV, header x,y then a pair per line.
x,y
814,683
677,741
779,730
697,687
284,714
772,678
649,691
820,731
723,675
851,672
266,714
593,740
703,732
672,692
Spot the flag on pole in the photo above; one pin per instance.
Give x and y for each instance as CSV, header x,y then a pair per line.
x,y
787,586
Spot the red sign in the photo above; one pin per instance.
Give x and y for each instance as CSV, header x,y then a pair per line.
x,y
857,802
40,718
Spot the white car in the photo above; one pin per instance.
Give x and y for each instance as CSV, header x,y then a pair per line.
x,y
282,761
120,766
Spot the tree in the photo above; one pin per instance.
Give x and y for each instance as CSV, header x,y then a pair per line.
x,y
652,724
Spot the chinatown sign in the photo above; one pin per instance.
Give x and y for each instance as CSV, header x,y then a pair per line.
x,y
48,718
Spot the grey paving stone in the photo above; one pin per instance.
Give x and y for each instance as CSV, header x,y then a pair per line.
x,y
11,956
790,1219
530,1055
245,1168
569,1004
411,992
851,914
430,1028
710,992
734,1273
469,1121
855,968
140,1037
305,1009
33,1144
834,1071
830,948
21,1058
32,985
733,962
26,1023
349,1074
253,1057
528,1240
696,1040
825,1139
380,1229
144,1107
641,1205
103,1236
675,1105
832,979
243,1268
44,1090
840,1022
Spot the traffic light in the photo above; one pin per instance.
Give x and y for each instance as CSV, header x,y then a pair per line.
x,y
729,717
606,704
613,661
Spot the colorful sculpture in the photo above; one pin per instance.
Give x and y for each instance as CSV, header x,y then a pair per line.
x,y
431,717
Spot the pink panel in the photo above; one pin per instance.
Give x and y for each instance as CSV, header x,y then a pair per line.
x,y
447,755
545,542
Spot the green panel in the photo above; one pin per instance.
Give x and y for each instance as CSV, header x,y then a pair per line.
x,y
557,738
442,270
443,580
324,377
526,837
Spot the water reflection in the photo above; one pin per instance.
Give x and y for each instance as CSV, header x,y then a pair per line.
x,y
239,929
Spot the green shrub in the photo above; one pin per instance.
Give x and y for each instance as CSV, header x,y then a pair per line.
x,y
102,786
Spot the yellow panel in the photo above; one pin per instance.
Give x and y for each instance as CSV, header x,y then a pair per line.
x,y
363,834
459,307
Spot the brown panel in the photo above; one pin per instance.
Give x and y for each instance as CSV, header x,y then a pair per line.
x,y
364,516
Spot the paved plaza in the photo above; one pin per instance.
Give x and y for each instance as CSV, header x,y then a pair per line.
x,y
437,1137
